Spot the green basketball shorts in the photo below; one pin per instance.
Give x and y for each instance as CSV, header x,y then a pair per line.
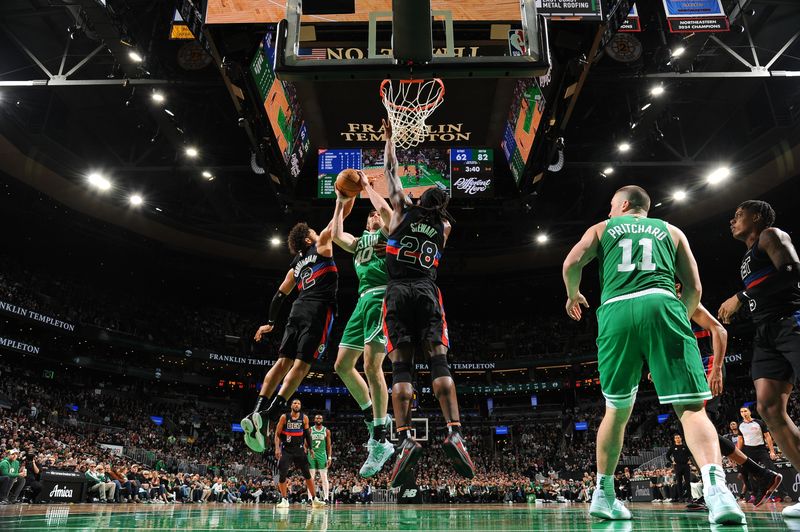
x,y
648,326
317,462
366,324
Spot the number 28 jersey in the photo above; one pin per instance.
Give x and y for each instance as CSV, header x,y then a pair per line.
x,y
414,248
636,254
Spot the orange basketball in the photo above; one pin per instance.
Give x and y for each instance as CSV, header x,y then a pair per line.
x,y
348,183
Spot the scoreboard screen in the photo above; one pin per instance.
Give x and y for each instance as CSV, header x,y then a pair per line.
x,y
472,171
331,162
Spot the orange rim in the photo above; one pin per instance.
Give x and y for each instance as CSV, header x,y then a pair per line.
x,y
434,103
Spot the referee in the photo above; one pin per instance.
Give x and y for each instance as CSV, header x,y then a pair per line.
x,y
755,440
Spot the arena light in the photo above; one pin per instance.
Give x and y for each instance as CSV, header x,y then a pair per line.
x,y
679,195
677,52
208,175
135,56
158,97
99,182
719,174
136,200
608,170
624,147
542,238
658,90
645,106
191,151
275,241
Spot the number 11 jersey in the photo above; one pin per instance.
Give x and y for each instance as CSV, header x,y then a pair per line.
x,y
414,248
636,254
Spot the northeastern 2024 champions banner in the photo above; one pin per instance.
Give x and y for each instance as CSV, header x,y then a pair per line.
x,y
695,16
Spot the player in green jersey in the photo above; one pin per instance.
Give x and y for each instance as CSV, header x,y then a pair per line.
x,y
319,454
364,331
641,319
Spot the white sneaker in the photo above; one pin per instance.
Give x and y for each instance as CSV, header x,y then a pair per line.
x,y
283,504
722,507
606,508
318,503
379,454
792,511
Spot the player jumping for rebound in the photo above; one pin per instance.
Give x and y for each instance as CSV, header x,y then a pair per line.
x,y
305,338
770,272
292,439
364,330
640,319
413,315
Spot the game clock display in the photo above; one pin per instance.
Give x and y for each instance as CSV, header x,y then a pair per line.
x,y
471,172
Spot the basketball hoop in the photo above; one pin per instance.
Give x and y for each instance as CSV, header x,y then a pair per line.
x,y
409,103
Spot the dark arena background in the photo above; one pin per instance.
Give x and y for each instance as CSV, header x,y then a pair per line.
x,y
154,156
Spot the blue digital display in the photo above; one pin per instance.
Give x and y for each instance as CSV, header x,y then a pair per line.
x,y
662,418
235,427
501,430
158,420
581,425
334,161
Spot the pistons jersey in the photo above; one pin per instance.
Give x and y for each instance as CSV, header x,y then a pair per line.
x,y
414,249
316,277
293,432
757,268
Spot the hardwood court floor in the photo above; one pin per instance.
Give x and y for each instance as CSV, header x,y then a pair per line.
x,y
377,517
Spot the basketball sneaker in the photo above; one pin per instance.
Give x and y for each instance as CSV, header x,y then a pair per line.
x,y
371,427
792,511
283,504
379,454
253,437
455,449
722,507
768,484
407,456
609,508
318,503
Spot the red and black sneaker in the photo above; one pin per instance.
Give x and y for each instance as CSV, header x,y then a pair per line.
x,y
456,451
407,456
769,483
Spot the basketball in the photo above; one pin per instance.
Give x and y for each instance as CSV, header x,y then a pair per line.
x,y
348,182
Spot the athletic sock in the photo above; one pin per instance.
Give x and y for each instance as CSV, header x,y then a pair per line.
x,y
366,410
260,403
754,468
379,429
402,434
454,426
606,484
713,475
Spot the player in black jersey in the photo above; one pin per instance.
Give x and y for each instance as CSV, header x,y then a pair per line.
x,y
770,272
413,315
292,442
305,338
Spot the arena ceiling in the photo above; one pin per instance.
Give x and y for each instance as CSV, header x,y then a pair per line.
x,y
72,101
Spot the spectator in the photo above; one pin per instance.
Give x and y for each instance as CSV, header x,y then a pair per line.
x,y
12,481
98,482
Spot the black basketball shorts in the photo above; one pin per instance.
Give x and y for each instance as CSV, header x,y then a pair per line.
x,y
308,330
776,349
413,312
294,457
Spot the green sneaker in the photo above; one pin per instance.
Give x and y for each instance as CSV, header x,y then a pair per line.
x,y
253,438
605,508
722,507
379,454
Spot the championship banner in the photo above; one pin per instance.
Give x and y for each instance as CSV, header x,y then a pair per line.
x,y
14,310
695,16
632,24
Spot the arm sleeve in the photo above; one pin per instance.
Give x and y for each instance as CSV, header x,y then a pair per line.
x,y
275,306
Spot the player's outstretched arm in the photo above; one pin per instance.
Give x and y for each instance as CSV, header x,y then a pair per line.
x,y
278,432
378,203
686,270
396,195
719,344
284,290
343,239
580,255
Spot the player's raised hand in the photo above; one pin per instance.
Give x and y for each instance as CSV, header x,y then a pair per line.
x,y
264,329
730,307
574,306
365,182
387,127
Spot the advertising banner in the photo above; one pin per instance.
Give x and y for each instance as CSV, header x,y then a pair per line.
x,y
62,486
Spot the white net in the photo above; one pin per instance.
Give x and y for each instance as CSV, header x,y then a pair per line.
x,y
409,103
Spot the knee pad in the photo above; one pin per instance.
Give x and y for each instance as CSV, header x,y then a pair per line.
x,y
439,367
401,373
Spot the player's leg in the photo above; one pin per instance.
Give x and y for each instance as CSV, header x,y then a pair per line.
x,y
326,487
301,463
380,449
345,367
253,422
283,473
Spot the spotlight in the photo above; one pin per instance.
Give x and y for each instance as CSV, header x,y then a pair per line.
x,y
99,182
720,174
679,195
135,57
191,151
275,241
170,113
158,97
208,175
658,90
541,238
646,106
677,52
136,200
623,147
608,170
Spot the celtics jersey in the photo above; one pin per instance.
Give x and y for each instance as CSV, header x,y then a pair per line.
x,y
636,254
318,446
370,268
